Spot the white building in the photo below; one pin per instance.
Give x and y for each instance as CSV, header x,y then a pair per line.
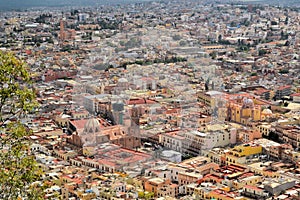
x,y
170,155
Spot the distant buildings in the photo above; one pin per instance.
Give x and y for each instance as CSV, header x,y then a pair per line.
x,y
189,101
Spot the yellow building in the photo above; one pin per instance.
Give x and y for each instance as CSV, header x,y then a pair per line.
x,y
247,149
209,98
241,108
298,89
215,155
239,154
233,159
86,196
199,192
244,111
249,180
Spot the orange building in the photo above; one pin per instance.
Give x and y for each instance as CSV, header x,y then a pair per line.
x,y
246,136
187,177
155,184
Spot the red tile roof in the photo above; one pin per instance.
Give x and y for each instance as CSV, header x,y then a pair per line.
x,y
79,124
295,95
253,187
140,101
284,87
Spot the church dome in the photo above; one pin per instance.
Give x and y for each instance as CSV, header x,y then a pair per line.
x,y
248,103
123,80
92,126
267,112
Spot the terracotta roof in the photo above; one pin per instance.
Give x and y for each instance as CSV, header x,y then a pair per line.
x,y
295,95
140,101
252,187
284,87
79,124
261,91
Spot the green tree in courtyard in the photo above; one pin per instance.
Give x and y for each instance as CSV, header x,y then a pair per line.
x,y
19,172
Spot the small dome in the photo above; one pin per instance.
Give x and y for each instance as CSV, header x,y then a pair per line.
x,y
92,126
123,80
267,112
248,103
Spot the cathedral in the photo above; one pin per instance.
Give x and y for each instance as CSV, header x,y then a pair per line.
x,y
95,131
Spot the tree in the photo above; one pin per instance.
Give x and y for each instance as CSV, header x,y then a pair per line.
x,y
284,71
286,22
176,37
220,38
141,194
182,43
213,54
149,195
19,169
273,23
262,52
233,24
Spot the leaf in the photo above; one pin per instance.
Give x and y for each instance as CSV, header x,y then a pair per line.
x,y
18,168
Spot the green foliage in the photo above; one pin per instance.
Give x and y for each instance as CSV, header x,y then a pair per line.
x,y
18,168
286,22
145,195
243,48
106,24
42,18
149,195
130,181
246,23
176,37
274,23
284,71
262,52
141,194
283,35
213,54
233,24
272,136
182,43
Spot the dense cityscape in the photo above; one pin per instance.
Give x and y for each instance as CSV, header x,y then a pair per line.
x,y
161,100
